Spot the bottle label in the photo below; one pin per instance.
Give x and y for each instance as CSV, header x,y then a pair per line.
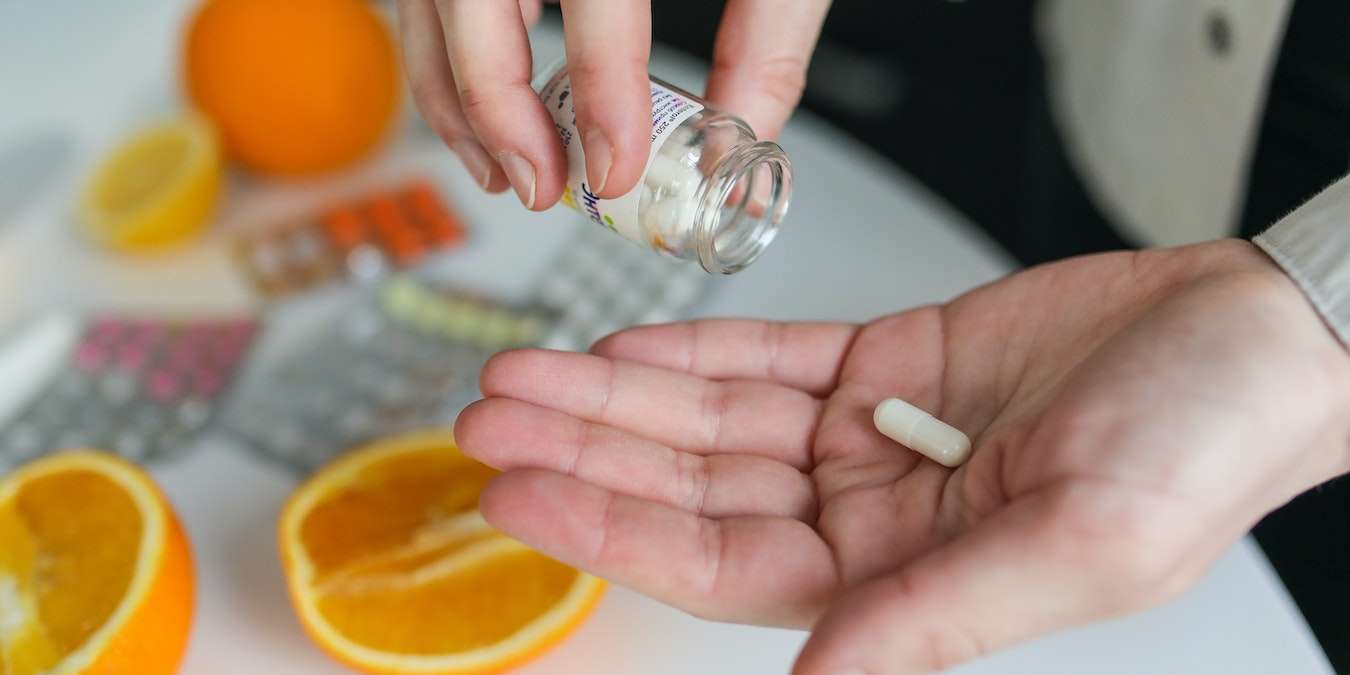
x,y
669,109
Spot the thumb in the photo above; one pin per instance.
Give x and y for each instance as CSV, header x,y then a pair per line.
x,y
1051,560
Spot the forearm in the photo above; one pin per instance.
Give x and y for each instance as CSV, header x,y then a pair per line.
x,y
1312,246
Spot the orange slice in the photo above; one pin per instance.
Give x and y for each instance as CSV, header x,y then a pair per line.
x,y
95,573
392,570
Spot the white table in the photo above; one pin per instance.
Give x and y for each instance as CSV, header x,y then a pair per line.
x,y
87,71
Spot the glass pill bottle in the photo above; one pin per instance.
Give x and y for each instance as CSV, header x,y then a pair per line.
x,y
711,191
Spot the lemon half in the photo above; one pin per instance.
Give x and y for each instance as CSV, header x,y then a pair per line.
x,y
158,187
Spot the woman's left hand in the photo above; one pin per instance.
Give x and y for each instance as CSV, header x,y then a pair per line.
x,y
1133,414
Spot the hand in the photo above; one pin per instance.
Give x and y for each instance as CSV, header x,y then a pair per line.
x,y
469,64
1132,414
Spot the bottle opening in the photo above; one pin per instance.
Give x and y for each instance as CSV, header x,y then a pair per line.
x,y
741,206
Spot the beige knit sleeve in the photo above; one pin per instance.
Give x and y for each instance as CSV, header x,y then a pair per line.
x,y
1312,244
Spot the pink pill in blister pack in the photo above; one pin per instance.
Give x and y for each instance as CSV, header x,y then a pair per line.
x,y
163,385
147,333
106,330
139,387
206,384
90,356
183,356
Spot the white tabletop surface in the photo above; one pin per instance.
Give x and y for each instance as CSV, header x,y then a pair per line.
x,y
862,240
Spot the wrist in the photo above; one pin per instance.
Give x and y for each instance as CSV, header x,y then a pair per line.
x,y
1282,326
1300,331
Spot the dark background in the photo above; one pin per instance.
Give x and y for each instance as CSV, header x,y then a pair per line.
x,y
954,93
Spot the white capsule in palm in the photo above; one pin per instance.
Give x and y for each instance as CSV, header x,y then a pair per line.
x,y
914,428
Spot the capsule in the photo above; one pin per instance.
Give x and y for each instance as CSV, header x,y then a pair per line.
x,y
914,428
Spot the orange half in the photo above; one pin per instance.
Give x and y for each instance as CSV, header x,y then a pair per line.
x,y
392,570
95,572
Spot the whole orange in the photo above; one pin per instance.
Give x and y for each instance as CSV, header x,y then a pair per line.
x,y
295,86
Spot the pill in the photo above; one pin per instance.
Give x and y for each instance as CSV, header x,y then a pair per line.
x,y
664,171
345,228
366,263
444,231
917,430
305,247
266,258
387,215
666,222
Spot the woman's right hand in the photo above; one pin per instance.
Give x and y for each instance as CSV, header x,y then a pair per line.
x,y
470,66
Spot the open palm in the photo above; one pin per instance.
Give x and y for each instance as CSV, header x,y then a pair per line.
x,y
1132,415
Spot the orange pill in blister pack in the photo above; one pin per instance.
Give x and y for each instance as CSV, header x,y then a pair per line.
x,y
387,216
423,200
405,247
443,234
399,227
439,225
346,229
397,233
406,250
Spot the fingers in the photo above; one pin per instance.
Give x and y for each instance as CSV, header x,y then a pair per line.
x,y
1051,560
530,11
608,45
752,569
674,409
508,434
490,56
433,89
760,59
804,356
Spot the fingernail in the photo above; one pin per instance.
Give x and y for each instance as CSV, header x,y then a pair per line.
x,y
599,157
476,161
521,174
